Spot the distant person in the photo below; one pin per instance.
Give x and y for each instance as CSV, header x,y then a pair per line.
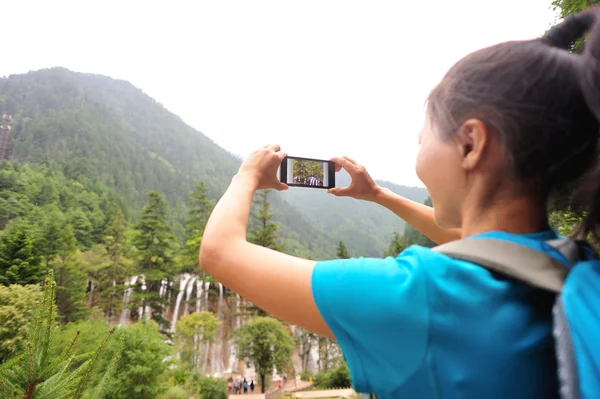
x,y
229,386
236,386
506,126
280,383
252,386
284,377
245,385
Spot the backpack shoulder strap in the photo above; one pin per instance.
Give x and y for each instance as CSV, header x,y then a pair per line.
x,y
509,258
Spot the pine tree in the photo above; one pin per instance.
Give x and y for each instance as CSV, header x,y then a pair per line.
x,y
70,295
156,244
265,231
20,262
33,373
111,278
396,246
200,210
342,251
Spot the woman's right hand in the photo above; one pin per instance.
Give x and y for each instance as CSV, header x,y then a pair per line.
x,y
362,185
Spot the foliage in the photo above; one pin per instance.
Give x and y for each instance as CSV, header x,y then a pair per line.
x,y
264,232
207,387
175,392
200,209
192,332
336,378
396,246
155,243
265,343
35,373
91,333
17,306
137,374
342,251
20,261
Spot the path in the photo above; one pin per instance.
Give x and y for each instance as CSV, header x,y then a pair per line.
x,y
328,393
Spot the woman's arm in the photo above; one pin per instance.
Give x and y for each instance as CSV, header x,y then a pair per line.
x,y
420,216
279,284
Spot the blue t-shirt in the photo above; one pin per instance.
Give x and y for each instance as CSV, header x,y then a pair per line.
x,y
424,325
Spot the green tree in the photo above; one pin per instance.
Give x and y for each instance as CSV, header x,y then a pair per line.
x,y
138,373
20,262
193,331
203,387
265,343
51,227
34,373
155,243
396,246
342,251
17,306
264,232
200,209
70,278
116,265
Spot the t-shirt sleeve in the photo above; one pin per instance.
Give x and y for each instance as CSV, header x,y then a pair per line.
x,y
377,311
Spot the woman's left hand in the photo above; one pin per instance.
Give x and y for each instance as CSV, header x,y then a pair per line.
x,y
261,167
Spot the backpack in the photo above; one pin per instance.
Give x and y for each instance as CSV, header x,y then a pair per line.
x,y
576,311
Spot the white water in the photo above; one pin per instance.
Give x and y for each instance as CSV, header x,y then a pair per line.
x,y
218,365
183,282
188,295
313,358
126,312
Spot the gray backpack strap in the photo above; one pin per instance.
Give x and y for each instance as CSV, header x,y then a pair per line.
x,y
565,353
509,258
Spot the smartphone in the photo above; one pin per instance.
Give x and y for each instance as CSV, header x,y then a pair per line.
x,y
307,172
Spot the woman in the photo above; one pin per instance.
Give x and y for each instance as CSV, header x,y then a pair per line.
x,y
507,126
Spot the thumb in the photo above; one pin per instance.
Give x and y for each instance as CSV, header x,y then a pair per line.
x,y
281,186
339,191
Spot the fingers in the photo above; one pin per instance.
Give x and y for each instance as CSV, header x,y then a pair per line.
x,y
274,147
343,162
352,161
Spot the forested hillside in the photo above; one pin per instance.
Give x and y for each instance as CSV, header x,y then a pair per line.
x,y
108,135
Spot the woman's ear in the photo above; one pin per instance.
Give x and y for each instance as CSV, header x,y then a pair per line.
x,y
472,138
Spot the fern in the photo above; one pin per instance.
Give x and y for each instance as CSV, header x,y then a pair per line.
x,y
33,374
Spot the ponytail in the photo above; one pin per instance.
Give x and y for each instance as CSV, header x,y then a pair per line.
x,y
588,63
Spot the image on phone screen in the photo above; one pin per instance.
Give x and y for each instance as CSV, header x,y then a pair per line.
x,y
307,172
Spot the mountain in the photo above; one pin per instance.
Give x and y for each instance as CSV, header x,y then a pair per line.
x,y
107,133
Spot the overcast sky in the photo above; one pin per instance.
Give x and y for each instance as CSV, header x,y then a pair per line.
x,y
320,77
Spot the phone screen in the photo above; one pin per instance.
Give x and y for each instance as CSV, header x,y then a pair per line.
x,y
307,172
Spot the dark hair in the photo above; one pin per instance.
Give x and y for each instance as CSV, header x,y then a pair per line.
x,y
541,101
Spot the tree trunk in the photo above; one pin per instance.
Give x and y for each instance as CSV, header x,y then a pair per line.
x,y
30,391
262,382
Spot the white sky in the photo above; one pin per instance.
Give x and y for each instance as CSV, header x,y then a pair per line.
x,y
320,77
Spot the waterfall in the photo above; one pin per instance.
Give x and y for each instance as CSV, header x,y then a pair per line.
x,y
237,323
198,295
188,294
184,280
218,365
163,287
313,358
126,312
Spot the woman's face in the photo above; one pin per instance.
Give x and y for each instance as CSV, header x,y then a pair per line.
x,y
439,168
